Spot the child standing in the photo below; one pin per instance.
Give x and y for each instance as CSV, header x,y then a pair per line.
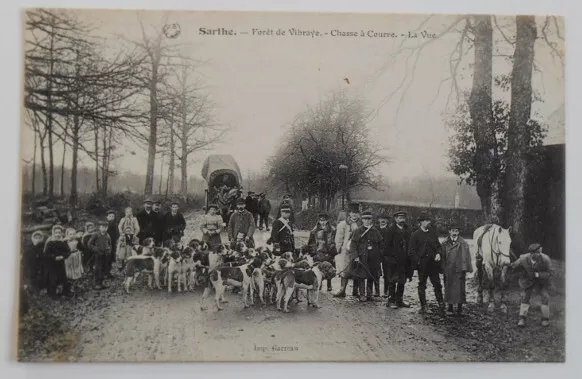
x,y
56,250
32,263
100,246
536,269
128,230
74,263
88,260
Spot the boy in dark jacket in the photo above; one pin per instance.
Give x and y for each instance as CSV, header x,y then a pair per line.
x,y
113,232
100,246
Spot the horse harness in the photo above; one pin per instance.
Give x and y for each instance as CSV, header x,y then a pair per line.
x,y
494,237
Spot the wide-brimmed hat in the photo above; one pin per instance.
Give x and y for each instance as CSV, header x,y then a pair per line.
x,y
323,215
424,216
533,247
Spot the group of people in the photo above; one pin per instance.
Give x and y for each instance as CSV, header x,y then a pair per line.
x,y
364,252
242,224
58,261
360,250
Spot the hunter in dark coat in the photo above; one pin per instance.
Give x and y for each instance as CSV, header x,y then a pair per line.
x,y
321,243
424,252
282,232
146,219
264,210
175,224
159,226
366,244
56,250
395,260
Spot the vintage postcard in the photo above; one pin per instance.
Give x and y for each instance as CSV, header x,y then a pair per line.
x,y
247,186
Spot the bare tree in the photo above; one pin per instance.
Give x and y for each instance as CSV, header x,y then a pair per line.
x,y
520,112
195,129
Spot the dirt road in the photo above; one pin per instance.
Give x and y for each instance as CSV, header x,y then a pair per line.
x,y
156,326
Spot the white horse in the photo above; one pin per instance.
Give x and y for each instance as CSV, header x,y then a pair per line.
x,y
493,256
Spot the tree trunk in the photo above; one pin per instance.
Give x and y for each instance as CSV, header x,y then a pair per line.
x,y
161,175
43,168
62,184
97,186
49,116
520,112
104,163
74,167
171,168
34,165
481,111
152,142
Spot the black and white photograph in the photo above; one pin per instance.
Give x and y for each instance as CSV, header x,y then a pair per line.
x,y
237,186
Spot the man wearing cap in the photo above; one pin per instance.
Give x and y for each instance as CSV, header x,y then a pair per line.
x,y
287,202
343,260
321,243
174,223
424,252
211,226
282,231
366,255
241,225
395,259
147,221
159,227
536,272
456,258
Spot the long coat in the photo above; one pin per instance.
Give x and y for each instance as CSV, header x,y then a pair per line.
x,y
147,225
343,235
366,244
456,260
321,243
283,235
56,273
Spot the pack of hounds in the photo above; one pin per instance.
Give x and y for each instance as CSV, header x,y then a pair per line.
x,y
265,274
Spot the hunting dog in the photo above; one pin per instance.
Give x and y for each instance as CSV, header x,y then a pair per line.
x,y
241,276
188,269
148,264
174,269
288,280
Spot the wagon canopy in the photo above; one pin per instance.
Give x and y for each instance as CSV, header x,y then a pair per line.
x,y
215,166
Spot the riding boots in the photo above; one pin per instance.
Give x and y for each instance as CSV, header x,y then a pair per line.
x,y
545,315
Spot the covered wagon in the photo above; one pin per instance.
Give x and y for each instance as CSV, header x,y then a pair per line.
x,y
224,179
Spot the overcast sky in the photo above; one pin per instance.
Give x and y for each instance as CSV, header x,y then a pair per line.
x,y
259,83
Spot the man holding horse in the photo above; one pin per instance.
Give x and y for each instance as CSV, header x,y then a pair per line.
x,y
456,258
424,251
536,269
